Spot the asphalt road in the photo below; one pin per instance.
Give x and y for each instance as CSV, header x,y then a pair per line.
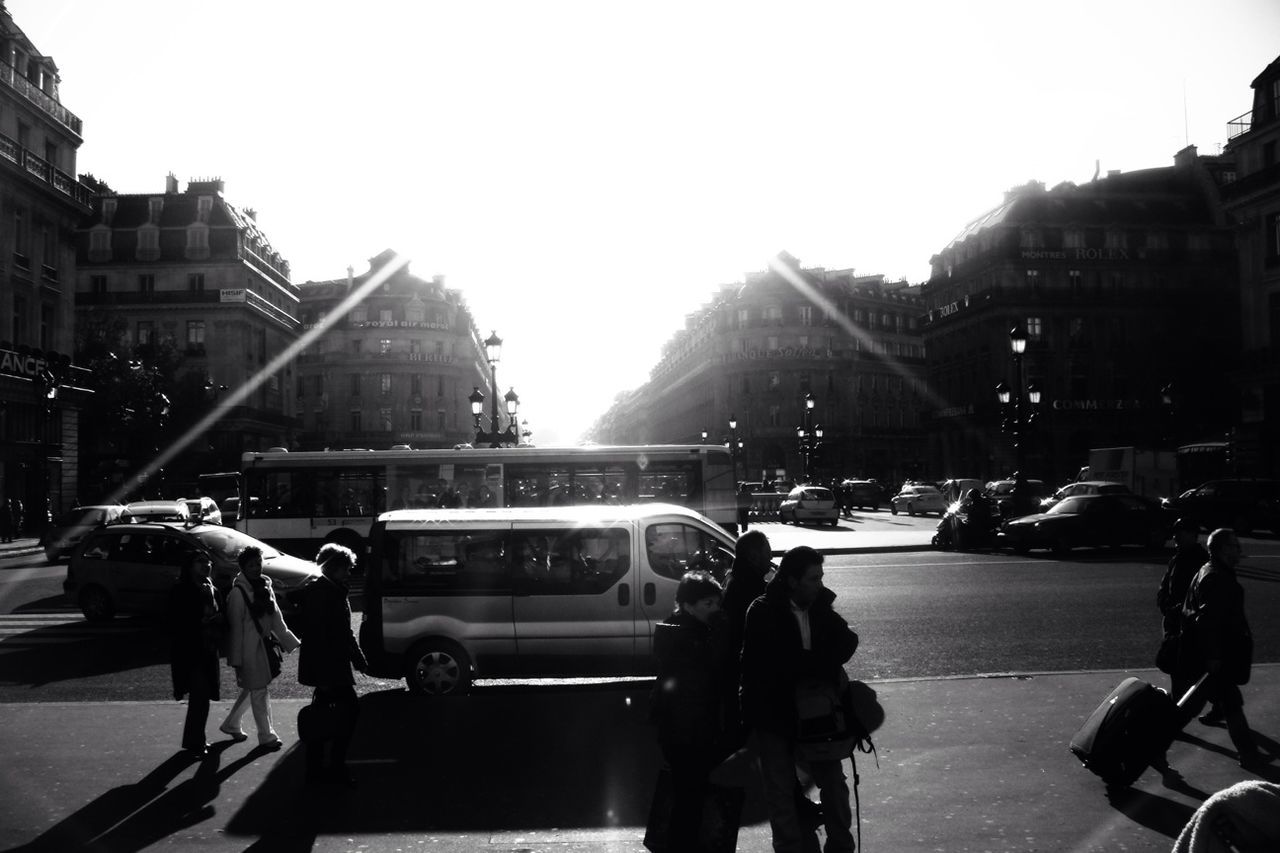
x,y
918,614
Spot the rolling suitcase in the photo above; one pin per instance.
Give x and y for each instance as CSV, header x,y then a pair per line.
x,y
1133,727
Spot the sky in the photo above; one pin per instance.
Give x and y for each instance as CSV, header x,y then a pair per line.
x,y
589,173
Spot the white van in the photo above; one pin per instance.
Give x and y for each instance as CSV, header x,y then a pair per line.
x,y
455,594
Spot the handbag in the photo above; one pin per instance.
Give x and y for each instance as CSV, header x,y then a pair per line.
x,y
832,719
273,647
721,814
318,721
1167,654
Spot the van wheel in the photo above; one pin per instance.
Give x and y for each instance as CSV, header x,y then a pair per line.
x,y
893,508
438,668
96,604
911,509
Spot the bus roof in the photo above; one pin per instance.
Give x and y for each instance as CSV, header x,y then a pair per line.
x,y
402,519
478,454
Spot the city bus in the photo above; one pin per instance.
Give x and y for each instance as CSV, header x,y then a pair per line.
x,y
297,501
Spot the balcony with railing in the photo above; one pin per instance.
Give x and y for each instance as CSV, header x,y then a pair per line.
x,y
43,170
44,102
1239,125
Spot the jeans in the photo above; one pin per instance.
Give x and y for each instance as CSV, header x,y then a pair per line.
x,y
691,767
261,714
1226,696
198,694
777,757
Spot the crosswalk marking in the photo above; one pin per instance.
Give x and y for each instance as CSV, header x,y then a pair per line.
x,y
20,630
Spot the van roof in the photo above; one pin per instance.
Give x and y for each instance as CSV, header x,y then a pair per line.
x,y
574,515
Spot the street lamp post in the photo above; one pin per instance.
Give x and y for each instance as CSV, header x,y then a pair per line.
x,y
735,444
809,437
1019,416
495,437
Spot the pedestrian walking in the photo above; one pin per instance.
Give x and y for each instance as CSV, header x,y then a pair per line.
x,y
194,619
793,632
688,701
6,520
1216,640
254,622
744,507
325,662
745,583
1188,556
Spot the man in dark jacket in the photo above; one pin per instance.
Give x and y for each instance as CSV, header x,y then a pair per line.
x,y
329,649
1217,641
792,632
1188,556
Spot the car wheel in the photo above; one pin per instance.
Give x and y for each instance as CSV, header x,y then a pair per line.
x,y
893,508
1060,547
911,509
1022,549
438,668
834,522
51,555
96,604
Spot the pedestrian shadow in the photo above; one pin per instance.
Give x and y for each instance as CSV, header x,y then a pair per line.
x,y
132,817
529,758
85,649
1153,811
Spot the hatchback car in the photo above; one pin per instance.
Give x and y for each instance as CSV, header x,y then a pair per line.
x,y
1244,505
863,494
62,537
204,509
131,568
1098,521
1001,494
157,511
809,503
919,500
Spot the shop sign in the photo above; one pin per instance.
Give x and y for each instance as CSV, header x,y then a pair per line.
x,y
1095,405
21,365
399,324
955,411
784,352
1076,254
232,294
430,356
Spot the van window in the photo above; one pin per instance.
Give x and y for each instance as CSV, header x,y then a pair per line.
x,y
673,549
585,561
445,562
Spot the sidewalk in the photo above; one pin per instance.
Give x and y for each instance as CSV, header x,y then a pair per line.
x,y
863,536
20,548
965,764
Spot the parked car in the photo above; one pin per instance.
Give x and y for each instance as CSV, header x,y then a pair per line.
x,y
919,500
157,511
863,494
1085,487
1001,494
131,567
67,531
1097,521
809,503
1244,505
954,489
204,509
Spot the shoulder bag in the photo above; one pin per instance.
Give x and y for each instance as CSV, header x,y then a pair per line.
x,y
275,652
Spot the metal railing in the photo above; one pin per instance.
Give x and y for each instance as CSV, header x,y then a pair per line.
x,y
43,170
32,93
1239,125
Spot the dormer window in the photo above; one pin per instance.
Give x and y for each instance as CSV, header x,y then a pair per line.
x,y
148,243
100,244
204,206
108,210
197,242
154,207
1116,240
1032,238
1073,238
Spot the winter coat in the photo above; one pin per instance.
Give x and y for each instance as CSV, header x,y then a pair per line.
x,y
245,648
1214,624
192,614
688,698
1172,594
774,657
330,650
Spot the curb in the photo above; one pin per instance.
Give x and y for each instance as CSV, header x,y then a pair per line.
x,y
21,552
868,549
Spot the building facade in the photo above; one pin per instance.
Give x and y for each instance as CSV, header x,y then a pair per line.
x,y
397,368
189,274
1252,201
1126,287
758,348
41,201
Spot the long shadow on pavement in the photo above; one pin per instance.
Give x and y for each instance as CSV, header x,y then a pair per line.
x,y
83,649
525,758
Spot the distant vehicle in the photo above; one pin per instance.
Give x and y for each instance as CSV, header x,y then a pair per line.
x,y
1243,505
1087,487
919,500
809,503
954,489
131,568
1001,494
203,509
1099,521
1150,473
864,494
61,538
157,511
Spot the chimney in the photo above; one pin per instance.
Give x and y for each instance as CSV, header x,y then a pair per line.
x,y
251,213
171,184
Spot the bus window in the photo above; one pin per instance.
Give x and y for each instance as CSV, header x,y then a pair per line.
x,y
671,482
281,494
348,492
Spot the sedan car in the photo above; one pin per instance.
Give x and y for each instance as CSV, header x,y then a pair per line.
x,y
131,568
1243,504
919,500
809,503
863,494
62,537
1085,487
204,509
1091,521
157,511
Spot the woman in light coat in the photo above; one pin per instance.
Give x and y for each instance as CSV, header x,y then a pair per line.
x,y
252,614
